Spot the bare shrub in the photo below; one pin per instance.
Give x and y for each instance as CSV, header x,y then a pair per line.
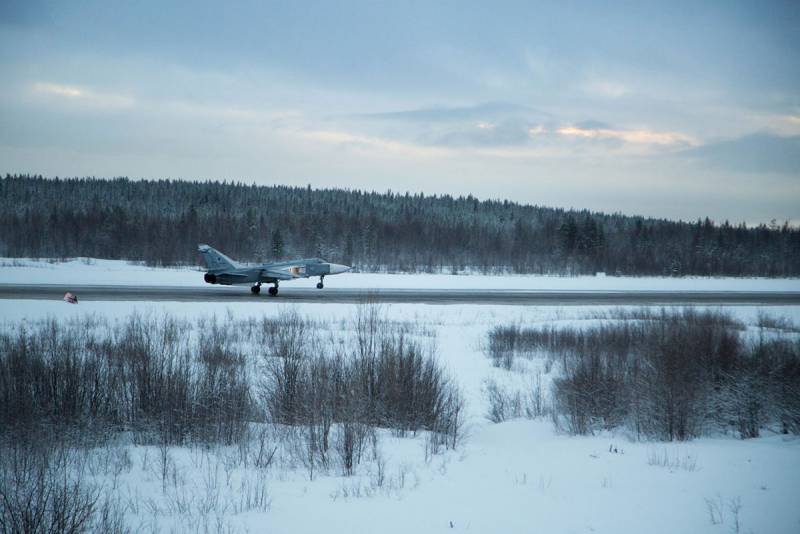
x,y
776,365
591,395
385,378
503,346
674,461
265,453
667,374
145,375
449,422
253,494
41,489
403,386
350,442
765,321
286,353
513,402
159,381
222,404
715,509
503,405
535,405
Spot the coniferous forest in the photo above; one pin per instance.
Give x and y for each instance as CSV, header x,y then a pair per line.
x,y
160,222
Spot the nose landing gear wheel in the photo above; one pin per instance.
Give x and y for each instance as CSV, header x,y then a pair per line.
x,y
319,285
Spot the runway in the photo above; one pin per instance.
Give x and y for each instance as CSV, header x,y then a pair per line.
x,y
335,295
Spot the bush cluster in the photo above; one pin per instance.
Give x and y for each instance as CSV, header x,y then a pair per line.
x,y
165,381
386,379
666,374
44,487
147,376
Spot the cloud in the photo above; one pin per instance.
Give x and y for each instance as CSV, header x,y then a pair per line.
x,y
81,95
597,130
592,125
510,132
372,145
486,111
59,90
786,124
503,124
539,129
755,153
221,111
488,124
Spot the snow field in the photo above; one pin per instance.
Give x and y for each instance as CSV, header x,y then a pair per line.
x,y
517,476
89,271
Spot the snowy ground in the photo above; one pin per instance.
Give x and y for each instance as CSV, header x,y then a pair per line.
x,y
518,476
105,272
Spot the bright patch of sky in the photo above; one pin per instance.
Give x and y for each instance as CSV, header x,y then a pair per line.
x,y
671,109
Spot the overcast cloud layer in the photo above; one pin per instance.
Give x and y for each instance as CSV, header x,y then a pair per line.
x,y
675,109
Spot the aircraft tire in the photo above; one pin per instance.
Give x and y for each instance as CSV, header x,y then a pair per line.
x,y
319,285
256,290
273,291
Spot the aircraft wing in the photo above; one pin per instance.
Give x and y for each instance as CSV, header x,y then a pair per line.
x,y
278,275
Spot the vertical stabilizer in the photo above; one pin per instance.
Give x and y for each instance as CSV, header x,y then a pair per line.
x,y
216,260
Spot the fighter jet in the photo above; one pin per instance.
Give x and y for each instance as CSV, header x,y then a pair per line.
x,y
225,271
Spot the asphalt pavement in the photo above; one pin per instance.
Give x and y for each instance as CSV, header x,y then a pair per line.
x,y
335,295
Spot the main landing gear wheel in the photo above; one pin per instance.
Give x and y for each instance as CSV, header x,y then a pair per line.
x,y
256,289
273,291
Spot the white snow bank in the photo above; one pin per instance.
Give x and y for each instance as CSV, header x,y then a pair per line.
x,y
515,477
89,271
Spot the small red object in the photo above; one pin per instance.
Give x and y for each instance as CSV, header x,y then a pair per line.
x,y
69,297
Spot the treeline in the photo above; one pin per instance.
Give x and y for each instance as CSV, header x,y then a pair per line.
x,y
160,222
668,375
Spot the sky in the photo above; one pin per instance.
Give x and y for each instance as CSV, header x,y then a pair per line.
x,y
667,109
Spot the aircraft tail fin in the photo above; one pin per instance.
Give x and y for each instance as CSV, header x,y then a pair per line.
x,y
216,260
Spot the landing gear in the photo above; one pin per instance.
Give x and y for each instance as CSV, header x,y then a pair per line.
x,y
256,289
319,284
274,289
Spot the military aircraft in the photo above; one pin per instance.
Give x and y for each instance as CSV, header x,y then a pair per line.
x,y
223,270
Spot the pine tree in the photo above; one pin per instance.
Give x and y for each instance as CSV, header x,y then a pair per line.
x,y
277,244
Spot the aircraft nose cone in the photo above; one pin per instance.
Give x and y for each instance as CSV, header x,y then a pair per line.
x,y
338,269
